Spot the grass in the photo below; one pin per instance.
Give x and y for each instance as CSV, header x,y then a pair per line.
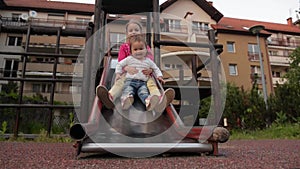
x,y
275,131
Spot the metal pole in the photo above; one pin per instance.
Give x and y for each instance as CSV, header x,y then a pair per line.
x,y
262,72
215,84
156,30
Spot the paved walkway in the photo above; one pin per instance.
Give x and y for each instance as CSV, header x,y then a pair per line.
x,y
252,154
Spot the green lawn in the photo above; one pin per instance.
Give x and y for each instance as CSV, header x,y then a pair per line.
x,y
285,131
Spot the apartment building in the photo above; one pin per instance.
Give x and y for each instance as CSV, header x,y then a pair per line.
x,y
240,57
181,20
54,34
187,21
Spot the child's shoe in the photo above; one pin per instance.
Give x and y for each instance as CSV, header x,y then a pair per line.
x,y
127,102
105,97
165,99
151,102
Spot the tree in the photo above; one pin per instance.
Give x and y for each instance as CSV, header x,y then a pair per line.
x,y
286,99
293,74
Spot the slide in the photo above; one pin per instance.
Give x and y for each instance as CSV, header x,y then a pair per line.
x,y
137,130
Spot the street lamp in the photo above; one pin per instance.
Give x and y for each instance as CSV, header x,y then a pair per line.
x,y
256,30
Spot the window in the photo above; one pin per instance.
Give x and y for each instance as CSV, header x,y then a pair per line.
x,y
173,25
167,66
173,66
255,74
253,52
75,89
41,88
11,68
56,16
44,59
253,48
116,39
16,17
273,53
255,70
178,66
231,47
14,41
82,22
276,74
233,69
199,26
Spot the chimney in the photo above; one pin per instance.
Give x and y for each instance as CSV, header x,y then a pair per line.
x,y
210,3
290,21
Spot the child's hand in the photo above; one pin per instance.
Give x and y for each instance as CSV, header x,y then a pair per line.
x,y
161,80
118,76
147,72
131,70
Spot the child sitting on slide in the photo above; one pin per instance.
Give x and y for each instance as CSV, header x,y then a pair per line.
x,y
133,27
135,84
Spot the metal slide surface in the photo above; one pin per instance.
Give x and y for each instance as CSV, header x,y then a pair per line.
x,y
138,130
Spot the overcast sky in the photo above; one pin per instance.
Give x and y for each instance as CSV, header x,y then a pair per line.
x,y
261,10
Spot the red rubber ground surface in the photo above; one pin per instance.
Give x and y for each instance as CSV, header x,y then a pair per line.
x,y
267,154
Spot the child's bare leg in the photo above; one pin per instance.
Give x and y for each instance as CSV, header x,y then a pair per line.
x,y
116,89
107,97
152,87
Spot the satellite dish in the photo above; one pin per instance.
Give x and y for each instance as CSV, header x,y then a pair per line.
x,y
24,17
92,18
32,13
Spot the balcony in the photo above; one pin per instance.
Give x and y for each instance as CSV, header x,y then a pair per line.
x,y
63,70
256,77
279,60
69,27
253,56
63,96
50,42
278,80
65,24
182,31
284,42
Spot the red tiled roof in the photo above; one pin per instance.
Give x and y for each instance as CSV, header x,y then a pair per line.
x,y
45,4
241,25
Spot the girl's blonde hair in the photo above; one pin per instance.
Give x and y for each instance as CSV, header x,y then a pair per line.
x,y
134,21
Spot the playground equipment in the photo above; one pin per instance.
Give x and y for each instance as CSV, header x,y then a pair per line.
x,y
136,132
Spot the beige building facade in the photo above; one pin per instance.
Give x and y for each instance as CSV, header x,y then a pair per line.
x,y
48,31
60,28
241,55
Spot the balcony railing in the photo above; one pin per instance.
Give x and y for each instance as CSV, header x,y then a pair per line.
x,y
256,77
253,56
283,42
65,24
181,29
278,80
280,60
8,73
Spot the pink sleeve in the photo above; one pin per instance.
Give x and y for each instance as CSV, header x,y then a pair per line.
x,y
150,54
122,53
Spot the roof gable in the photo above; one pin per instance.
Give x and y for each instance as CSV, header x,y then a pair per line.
x,y
203,4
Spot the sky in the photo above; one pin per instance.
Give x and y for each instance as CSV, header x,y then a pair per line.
x,y
277,11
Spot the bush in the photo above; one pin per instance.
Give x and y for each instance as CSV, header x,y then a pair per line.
x,y
243,109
